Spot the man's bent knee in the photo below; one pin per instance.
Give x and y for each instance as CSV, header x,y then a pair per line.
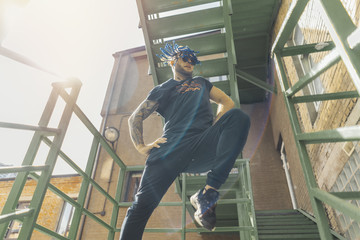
x,y
240,117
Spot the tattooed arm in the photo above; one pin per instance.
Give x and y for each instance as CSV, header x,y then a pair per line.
x,y
136,119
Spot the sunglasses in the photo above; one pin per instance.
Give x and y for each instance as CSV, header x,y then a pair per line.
x,y
192,59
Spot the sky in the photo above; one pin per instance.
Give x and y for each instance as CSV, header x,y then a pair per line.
x,y
73,39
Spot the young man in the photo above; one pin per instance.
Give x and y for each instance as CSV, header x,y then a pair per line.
x,y
193,141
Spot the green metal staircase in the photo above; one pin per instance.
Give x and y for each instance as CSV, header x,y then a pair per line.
x,y
287,224
233,38
218,33
205,26
210,31
235,211
162,21
343,47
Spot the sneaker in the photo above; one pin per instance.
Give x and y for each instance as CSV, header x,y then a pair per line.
x,y
205,205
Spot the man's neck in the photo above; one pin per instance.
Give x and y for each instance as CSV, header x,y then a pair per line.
x,y
180,77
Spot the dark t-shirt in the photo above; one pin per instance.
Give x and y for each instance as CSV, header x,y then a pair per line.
x,y
185,106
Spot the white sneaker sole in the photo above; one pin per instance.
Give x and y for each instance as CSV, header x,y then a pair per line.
x,y
197,213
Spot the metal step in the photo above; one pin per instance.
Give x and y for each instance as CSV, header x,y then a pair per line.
x,y
158,6
215,44
210,68
191,25
285,224
235,199
187,23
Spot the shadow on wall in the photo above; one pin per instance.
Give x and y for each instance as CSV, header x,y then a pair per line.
x,y
259,114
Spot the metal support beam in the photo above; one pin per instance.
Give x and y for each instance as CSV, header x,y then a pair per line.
x,y
347,195
307,49
331,59
49,232
342,31
343,134
21,178
80,114
337,235
115,212
29,168
183,213
310,179
148,41
340,26
42,130
230,47
68,199
16,215
41,188
256,81
347,208
354,40
325,97
84,189
292,17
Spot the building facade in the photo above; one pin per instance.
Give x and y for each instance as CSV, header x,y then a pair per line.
x,y
277,177
336,165
55,213
128,87
278,180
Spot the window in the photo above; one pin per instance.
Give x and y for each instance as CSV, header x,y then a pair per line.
x,y
217,78
303,64
132,185
65,219
15,226
349,180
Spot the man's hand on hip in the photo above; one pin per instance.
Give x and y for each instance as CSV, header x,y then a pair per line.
x,y
145,149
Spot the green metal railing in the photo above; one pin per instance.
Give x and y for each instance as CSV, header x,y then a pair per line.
x,y
41,132
346,48
190,29
242,201
241,182
236,201
213,28
342,30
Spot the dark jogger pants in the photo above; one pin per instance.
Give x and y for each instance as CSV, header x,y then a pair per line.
x,y
215,151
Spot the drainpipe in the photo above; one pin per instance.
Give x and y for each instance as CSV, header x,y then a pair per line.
x,y
288,177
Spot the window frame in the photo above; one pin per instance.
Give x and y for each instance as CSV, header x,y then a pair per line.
x,y
21,205
69,220
303,64
131,186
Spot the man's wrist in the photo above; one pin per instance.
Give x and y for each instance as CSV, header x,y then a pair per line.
x,y
140,146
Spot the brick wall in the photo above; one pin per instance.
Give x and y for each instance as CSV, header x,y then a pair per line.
x,y
130,76
52,204
327,159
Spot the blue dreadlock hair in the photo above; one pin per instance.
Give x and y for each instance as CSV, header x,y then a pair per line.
x,y
174,51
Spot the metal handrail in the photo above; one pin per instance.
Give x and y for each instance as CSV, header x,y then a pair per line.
x,y
339,24
40,135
